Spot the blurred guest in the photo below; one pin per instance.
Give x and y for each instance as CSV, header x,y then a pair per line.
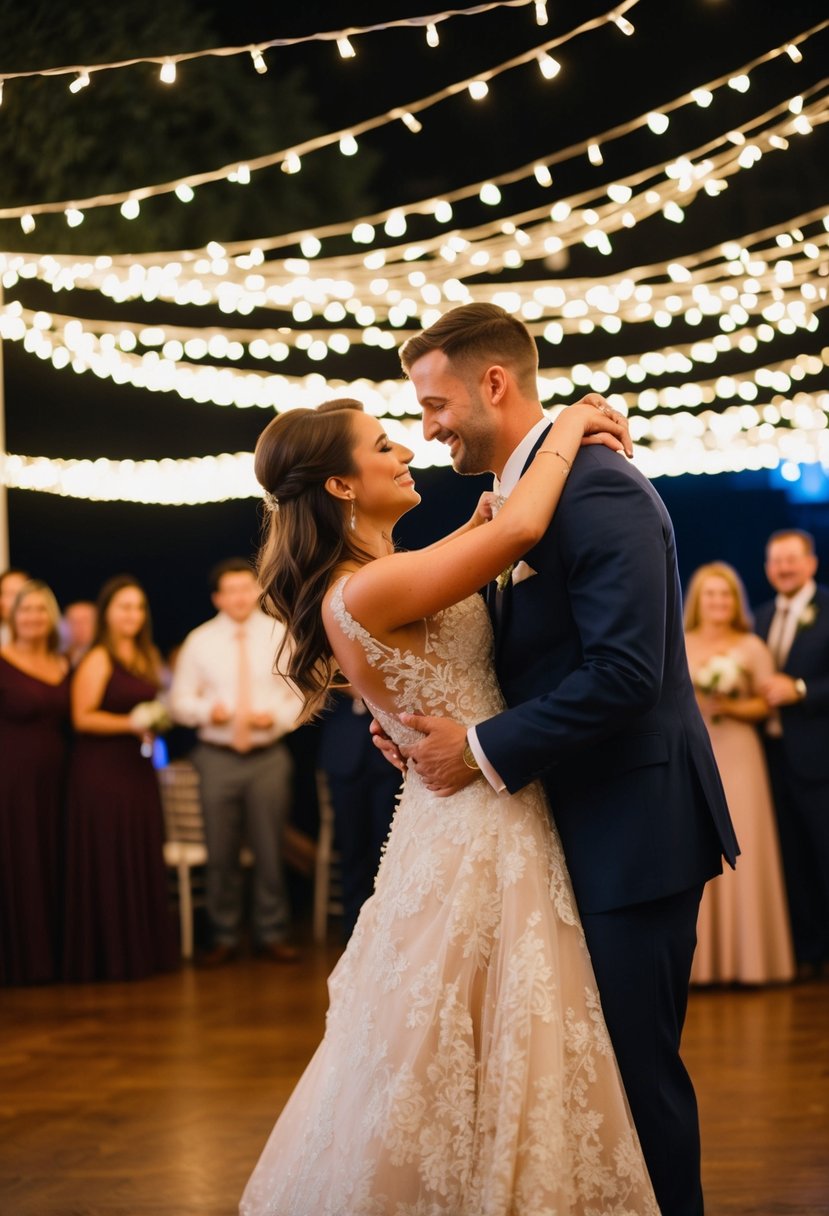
x,y
364,788
34,730
11,581
796,624
224,686
78,629
743,933
118,918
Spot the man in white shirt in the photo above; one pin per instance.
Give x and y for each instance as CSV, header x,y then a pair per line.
x,y
224,686
796,627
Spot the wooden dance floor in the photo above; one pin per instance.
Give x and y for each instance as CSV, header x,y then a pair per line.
x,y
155,1098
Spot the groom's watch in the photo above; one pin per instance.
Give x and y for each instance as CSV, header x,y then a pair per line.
x,y
800,688
469,758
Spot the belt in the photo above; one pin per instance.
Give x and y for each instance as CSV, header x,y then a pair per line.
x,y
226,747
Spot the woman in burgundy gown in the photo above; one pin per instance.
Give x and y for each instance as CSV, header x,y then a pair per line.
x,y
34,733
119,924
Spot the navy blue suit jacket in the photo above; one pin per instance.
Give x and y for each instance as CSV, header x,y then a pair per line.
x,y
806,723
590,655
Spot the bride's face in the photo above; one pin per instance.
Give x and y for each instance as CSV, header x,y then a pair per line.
x,y
383,487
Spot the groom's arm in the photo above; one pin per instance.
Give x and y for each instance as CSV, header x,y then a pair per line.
x,y
613,540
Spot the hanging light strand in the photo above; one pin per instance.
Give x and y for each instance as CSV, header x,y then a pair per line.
x,y
284,155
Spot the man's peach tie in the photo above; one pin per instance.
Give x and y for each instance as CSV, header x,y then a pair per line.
x,y
241,740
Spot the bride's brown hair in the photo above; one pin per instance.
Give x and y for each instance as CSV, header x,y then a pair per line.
x,y
307,535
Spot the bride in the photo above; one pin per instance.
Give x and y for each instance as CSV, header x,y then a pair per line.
x,y
466,1069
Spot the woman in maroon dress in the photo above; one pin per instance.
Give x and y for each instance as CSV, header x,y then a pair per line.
x,y
34,732
118,918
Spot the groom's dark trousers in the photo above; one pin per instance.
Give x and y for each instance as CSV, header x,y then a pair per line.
x,y
590,653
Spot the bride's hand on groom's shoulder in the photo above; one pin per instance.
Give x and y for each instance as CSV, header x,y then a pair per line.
x,y
437,758
604,424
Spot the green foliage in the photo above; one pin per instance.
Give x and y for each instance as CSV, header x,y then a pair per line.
x,y
127,129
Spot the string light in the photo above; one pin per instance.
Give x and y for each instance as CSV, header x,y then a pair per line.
x,y
645,204
476,86
349,145
778,281
594,154
541,12
410,121
794,53
80,82
740,84
323,35
737,438
624,25
167,75
258,60
550,67
344,46
752,430
432,35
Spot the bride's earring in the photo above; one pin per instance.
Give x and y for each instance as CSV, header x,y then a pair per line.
x,y
352,523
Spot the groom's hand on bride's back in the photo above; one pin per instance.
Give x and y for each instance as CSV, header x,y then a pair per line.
x,y
437,758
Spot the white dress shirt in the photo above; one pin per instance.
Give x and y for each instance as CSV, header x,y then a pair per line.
x,y
206,673
504,485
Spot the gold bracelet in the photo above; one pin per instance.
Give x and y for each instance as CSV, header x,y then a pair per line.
x,y
552,452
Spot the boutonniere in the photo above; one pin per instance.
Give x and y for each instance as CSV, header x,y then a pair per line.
x,y
807,617
505,577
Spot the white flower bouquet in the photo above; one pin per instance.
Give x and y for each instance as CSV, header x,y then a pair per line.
x,y
720,676
151,716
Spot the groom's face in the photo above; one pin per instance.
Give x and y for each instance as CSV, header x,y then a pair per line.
x,y
455,413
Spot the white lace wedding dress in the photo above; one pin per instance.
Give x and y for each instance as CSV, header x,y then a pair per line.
x,y
466,1069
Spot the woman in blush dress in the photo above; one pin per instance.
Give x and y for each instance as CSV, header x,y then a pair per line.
x,y
466,1069
119,924
743,933
34,734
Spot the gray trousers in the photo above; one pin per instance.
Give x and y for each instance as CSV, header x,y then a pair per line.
x,y
245,798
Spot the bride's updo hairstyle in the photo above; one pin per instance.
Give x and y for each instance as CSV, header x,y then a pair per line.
x,y
306,535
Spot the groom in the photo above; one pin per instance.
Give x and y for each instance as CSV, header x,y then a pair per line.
x,y
590,655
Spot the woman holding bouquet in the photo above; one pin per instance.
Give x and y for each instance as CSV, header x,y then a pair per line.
x,y
118,919
743,933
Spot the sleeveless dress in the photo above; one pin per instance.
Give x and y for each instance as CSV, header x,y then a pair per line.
x,y
466,1069
743,932
34,736
119,922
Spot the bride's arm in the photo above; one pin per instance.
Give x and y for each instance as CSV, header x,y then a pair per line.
x,y
404,587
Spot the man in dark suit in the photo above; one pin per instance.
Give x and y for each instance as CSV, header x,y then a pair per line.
x,y
591,658
363,792
796,627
